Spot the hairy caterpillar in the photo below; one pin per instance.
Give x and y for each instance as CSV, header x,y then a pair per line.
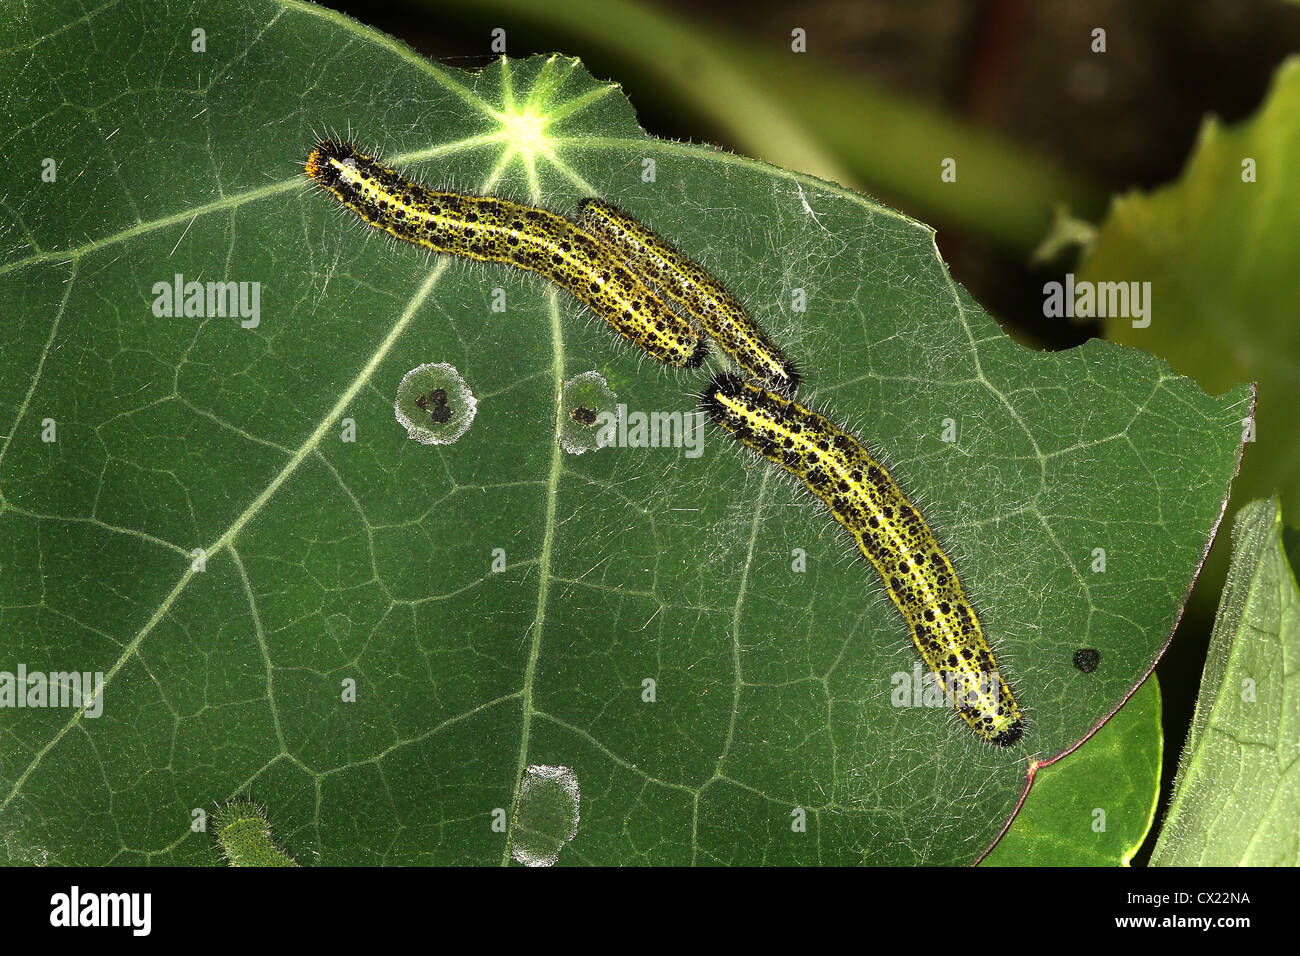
x,y
245,836
490,229
890,533
699,293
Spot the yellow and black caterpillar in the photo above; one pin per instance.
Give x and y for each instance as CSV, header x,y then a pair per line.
x,y
497,230
703,297
609,263
890,533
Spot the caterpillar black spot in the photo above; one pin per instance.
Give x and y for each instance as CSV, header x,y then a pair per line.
x,y
890,533
491,229
703,297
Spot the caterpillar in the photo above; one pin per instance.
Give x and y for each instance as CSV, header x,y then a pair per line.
x,y
245,836
689,284
490,229
890,533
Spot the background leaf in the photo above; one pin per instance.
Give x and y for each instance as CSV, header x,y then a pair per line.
x,y
1236,802
1116,771
1225,275
370,561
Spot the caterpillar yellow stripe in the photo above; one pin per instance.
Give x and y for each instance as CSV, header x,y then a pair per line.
x,y
703,297
491,229
890,533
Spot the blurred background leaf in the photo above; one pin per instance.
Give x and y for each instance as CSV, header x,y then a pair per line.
x,y
1237,795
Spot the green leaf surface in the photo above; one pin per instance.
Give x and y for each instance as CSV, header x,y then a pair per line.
x,y
329,561
1237,794
1093,807
1223,259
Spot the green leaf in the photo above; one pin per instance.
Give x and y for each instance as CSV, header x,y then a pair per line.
x,y
1095,806
1235,797
327,561
1223,261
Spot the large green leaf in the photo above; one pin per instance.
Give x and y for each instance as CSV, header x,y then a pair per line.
x,y
330,561
1236,800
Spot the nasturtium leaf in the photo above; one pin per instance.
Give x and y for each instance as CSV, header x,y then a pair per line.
x,y
374,638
